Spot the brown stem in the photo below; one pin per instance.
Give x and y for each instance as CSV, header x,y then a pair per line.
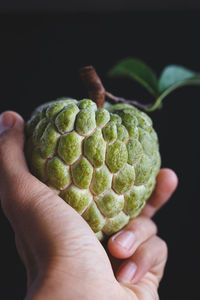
x,y
93,84
133,102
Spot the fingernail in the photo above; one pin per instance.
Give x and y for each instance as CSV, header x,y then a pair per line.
x,y
127,272
7,121
125,239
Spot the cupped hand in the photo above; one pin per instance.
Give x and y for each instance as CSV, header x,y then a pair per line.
x,y
62,256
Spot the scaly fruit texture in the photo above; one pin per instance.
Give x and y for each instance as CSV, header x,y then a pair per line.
x,y
102,162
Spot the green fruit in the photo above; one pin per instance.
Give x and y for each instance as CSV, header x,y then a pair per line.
x,y
102,162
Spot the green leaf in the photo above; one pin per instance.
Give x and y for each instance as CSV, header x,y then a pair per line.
x,y
193,80
172,75
137,70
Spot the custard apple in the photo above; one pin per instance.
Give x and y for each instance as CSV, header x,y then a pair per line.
x,y
101,161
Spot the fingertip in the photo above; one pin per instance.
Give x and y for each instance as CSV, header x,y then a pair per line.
x,y
166,183
10,120
168,178
13,114
19,121
121,244
117,251
126,272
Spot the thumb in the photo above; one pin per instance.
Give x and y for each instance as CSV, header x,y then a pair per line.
x,y
24,198
12,161
11,141
17,185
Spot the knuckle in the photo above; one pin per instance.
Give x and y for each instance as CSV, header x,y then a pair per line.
x,y
149,226
40,196
136,223
144,253
154,227
144,226
20,187
163,246
15,196
31,192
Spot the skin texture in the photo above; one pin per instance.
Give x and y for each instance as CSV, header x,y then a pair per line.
x,y
63,258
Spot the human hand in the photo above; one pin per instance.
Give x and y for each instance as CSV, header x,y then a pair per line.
x,y
62,256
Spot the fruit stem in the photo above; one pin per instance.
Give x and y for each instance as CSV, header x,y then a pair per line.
x,y
93,84
133,102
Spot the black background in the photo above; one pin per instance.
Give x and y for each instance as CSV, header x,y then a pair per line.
x,y
92,6
39,60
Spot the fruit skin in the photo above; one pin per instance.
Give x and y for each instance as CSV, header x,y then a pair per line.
x,y
102,162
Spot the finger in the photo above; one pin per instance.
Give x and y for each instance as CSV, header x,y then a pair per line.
x,y
11,139
17,185
124,243
13,165
12,161
16,182
166,184
151,257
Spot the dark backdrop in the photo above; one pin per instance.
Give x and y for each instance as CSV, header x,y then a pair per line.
x,y
39,60
91,5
